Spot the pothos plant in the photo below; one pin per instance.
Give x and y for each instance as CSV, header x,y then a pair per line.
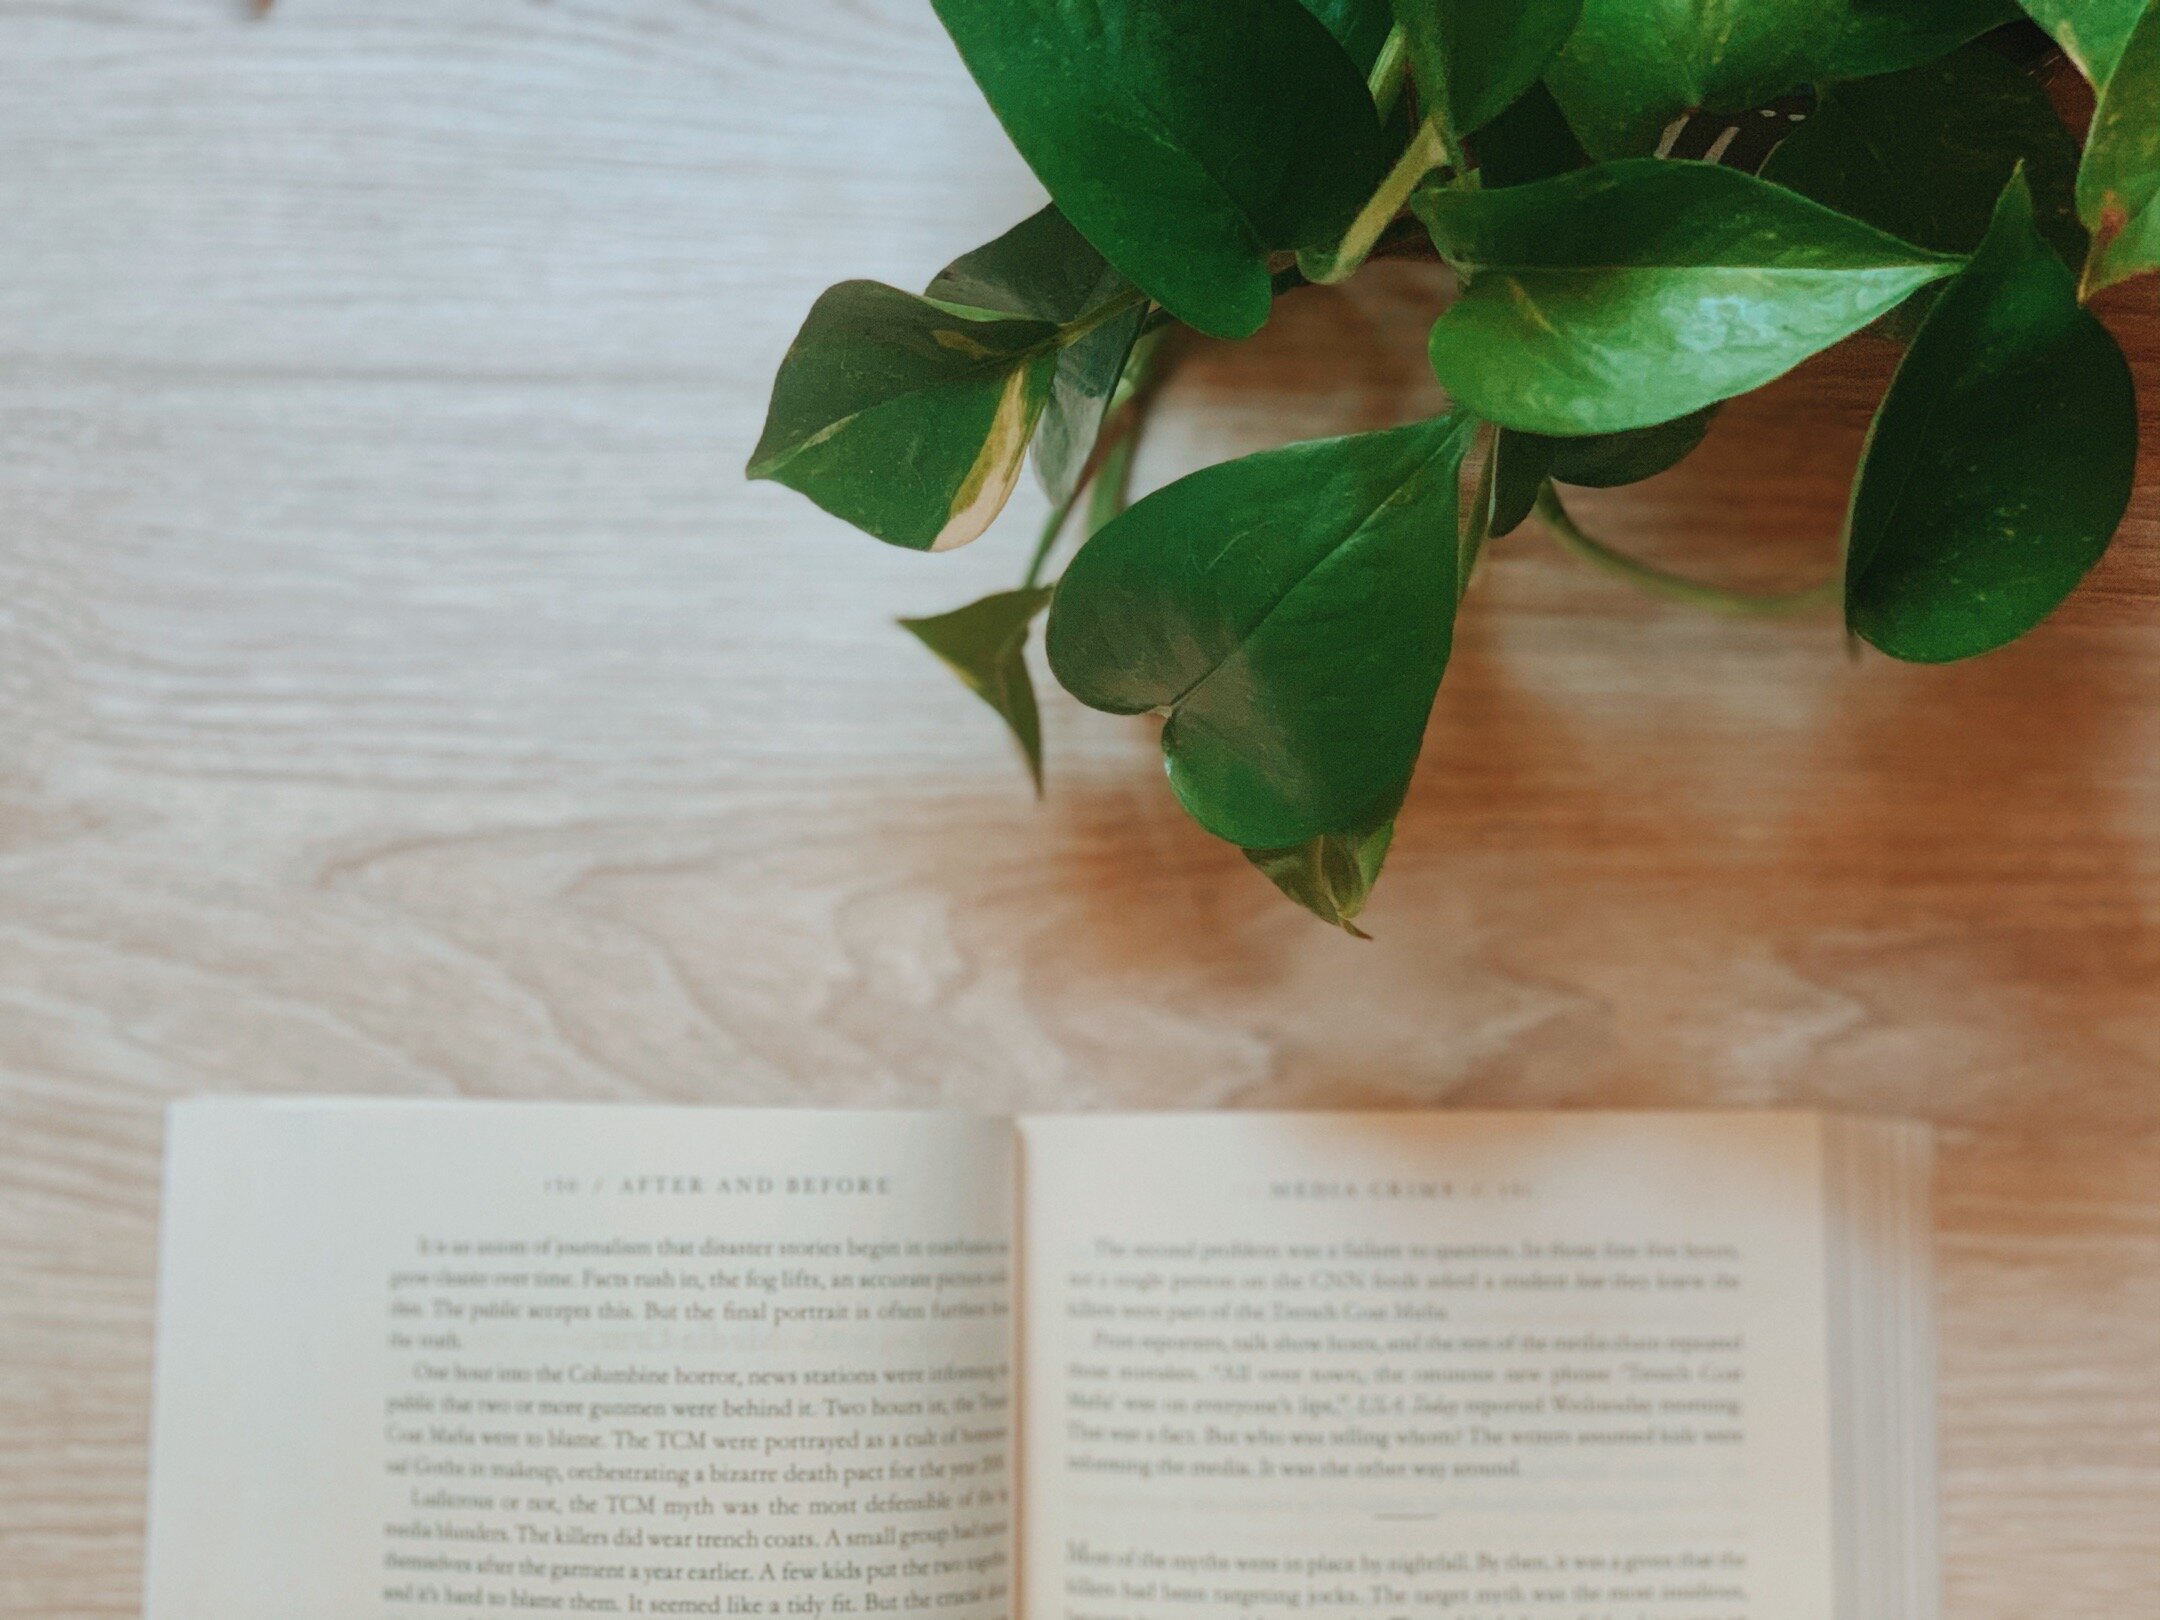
x,y
1649,207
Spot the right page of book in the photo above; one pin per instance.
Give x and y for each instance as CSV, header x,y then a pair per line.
x,y
1508,1366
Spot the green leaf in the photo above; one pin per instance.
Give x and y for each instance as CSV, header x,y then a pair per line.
x,y
2000,462
906,416
2120,179
1636,292
1882,36
1332,876
1472,58
985,644
1186,139
1045,270
1530,141
1924,154
1042,269
1609,460
1292,611
2092,33
1360,26
1514,473
1522,462
1633,66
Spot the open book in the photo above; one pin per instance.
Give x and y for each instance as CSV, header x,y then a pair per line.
x,y
452,1359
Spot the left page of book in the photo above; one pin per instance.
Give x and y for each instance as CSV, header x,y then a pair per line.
x,y
451,1359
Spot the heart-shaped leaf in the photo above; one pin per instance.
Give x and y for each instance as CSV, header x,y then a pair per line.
x,y
2000,461
1045,270
1472,58
1332,876
2118,187
1882,36
1633,66
907,416
1636,292
1292,611
1186,139
985,644
1925,153
2092,33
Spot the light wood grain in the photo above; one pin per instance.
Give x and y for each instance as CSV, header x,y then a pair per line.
x,y
404,693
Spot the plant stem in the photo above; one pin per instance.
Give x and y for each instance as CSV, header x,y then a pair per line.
x,y
1675,587
1052,527
1474,526
1108,472
1425,153
1111,465
1108,310
1113,480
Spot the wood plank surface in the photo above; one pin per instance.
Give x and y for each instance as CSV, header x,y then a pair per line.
x,y
403,692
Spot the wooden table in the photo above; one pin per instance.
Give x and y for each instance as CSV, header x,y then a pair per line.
x,y
403,692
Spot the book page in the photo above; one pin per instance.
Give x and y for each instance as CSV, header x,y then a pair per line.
x,y
437,1360
1515,1367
